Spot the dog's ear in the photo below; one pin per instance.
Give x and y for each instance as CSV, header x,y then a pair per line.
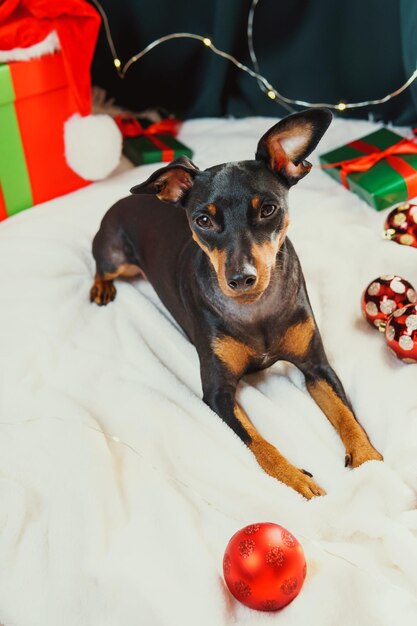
x,y
171,182
285,146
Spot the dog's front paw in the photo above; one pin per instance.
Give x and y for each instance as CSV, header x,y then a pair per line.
x,y
304,484
102,292
360,453
274,464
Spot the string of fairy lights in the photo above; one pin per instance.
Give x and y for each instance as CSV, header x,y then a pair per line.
x,y
264,84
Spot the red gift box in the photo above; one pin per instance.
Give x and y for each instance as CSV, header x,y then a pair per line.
x,y
35,102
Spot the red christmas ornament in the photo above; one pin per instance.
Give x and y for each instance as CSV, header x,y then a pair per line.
x,y
401,225
383,296
401,333
264,566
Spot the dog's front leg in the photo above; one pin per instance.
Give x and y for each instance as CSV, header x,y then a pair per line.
x,y
219,387
326,389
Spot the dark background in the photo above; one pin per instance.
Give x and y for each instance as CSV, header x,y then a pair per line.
x,y
316,50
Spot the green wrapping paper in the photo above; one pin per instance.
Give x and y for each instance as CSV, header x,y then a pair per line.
x,y
15,184
389,181
141,150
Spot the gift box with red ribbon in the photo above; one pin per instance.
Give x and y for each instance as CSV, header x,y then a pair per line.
x,y
151,143
46,48
35,101
381,168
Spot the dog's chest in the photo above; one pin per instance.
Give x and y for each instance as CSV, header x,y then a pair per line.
x,y
260,329
262,361
265,346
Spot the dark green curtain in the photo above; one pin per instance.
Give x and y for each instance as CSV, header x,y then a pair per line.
x,y
315,50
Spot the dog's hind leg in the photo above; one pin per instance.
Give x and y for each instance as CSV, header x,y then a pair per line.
x,y
103,290
114,259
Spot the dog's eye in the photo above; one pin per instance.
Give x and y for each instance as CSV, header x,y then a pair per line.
x,y
268,210
204,221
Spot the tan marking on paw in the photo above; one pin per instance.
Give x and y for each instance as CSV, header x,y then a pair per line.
x,y
274,464
103,291
359,450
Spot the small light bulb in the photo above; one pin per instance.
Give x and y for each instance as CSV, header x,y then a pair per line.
x,y
341,106
117,63
271,94
207,41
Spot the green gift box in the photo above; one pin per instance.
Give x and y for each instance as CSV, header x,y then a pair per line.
x,y
385,164
151,143
142,149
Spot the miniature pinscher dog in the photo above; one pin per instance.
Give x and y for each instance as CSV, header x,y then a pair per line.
x,y
213,245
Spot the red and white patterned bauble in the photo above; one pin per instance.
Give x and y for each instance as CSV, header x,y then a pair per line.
x,y
264,566
401,333
383,296
401,225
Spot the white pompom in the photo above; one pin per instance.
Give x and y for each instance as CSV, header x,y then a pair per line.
x,y
93,145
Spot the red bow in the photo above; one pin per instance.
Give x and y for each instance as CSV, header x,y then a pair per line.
x,y
374,154
131,127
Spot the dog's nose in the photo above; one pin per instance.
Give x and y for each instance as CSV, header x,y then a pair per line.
x,y
243,281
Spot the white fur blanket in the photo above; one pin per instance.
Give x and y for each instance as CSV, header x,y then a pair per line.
x,y
98,532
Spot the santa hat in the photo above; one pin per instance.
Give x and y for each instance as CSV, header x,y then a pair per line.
x,y
32,28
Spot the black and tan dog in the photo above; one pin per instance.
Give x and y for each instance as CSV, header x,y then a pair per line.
x,y
213,245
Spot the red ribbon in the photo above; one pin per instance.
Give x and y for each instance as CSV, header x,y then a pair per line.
x,y
131,127
374,155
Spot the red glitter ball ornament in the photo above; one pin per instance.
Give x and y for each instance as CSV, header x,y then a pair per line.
x,y
383,296
264,566
401,333
401,225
